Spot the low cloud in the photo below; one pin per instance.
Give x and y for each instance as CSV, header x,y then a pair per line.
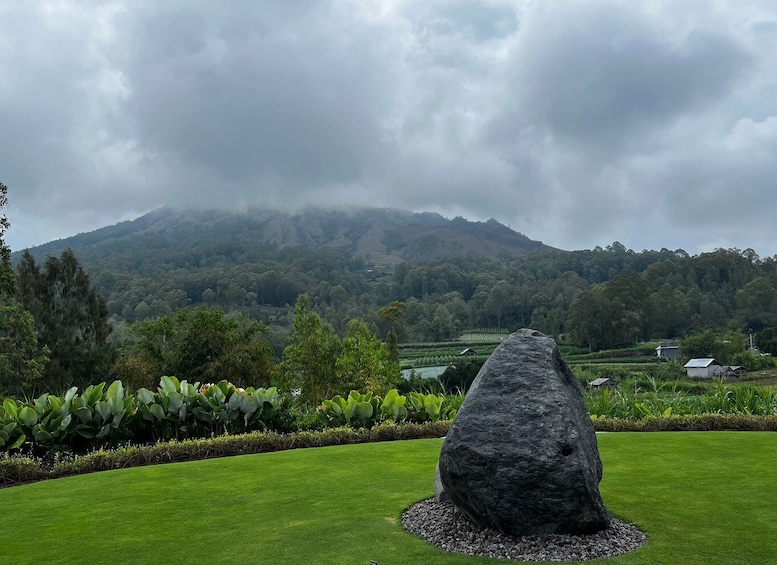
x,y
575,122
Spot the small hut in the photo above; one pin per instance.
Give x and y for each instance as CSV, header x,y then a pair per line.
x,y
705,368
668,350
600,383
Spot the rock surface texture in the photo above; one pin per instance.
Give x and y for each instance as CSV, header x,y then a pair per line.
x,y
521,456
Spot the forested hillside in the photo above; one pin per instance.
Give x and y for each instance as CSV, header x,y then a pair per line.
x,y
598,298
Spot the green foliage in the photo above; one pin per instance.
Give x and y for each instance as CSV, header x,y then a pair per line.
x,y
182,409
22,359
459,377
309,363
358,410
393,406
71,319
100,412
7,276
365,410
17,468
766,341
666,399
364,362
393,315
11,433
102,416
201,344
722,346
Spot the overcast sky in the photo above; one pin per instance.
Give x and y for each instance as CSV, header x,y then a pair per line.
x,y
578,123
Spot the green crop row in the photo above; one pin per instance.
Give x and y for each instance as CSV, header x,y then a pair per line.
x,y
101,416
483,334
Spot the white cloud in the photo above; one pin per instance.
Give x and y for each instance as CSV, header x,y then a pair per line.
x,y
578,122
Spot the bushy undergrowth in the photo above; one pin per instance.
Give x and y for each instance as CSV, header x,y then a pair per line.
x,y
666,399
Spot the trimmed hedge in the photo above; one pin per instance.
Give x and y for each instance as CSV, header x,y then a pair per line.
x,y
690,423
18,469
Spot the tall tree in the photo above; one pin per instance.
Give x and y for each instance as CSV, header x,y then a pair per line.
x,y
7,276
71,319
309,363
393,315
22,360
364,362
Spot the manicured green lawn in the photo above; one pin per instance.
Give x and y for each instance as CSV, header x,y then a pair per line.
x,y
703,498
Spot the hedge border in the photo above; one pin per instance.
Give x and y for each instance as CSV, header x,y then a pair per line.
x,y
19,469
689,423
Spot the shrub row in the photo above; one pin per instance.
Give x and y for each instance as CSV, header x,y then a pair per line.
x,y
18,469
365,410
103,416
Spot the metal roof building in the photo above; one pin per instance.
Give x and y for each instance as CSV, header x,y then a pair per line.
x,y
704,368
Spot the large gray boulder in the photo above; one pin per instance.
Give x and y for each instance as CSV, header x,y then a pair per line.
x,y
521,456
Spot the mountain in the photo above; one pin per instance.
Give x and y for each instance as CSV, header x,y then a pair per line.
x,y
383,236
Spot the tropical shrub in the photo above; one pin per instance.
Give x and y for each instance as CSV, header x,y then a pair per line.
x,y
101,416
365,410
357,411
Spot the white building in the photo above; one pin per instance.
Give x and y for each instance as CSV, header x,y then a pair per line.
x,y
703,368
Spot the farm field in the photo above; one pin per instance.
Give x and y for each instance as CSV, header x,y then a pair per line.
x,y
702,498
413,355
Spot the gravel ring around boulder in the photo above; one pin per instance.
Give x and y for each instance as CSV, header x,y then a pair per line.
x,y
443,525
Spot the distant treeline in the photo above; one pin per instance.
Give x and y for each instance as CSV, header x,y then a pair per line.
x,y
599,298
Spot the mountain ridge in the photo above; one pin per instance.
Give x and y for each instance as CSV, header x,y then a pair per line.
x,y
385,236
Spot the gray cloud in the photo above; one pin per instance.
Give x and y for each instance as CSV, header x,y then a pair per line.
x,y
576,122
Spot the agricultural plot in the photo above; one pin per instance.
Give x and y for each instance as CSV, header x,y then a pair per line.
x,y
483,334
436,354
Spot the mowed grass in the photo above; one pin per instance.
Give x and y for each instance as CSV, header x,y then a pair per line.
x,y
703,498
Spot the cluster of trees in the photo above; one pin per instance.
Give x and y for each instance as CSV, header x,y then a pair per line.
x,y
647,294
197,344
321,365
55,333
207,345
54,330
